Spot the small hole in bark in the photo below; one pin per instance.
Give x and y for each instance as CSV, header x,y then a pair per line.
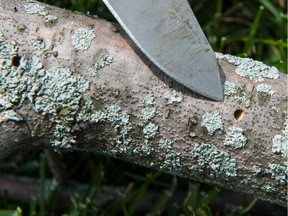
x,y
238,114
16,61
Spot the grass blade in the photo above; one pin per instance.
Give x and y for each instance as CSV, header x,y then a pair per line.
x,y
42,184
250,43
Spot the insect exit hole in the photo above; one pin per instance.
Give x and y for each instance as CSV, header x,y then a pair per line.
x,y
239,114
16,61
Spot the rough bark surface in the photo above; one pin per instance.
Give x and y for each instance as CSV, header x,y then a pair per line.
x,y
74,82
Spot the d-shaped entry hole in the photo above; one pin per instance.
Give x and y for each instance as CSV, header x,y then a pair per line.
x,y
16,61
239,114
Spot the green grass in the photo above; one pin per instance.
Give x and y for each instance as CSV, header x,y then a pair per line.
x,y
256,29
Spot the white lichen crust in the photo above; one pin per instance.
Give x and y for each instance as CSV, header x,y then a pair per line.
x,y
173,97
103,61
150,131
280,142
278,172
148,110
82,39
9,115
265,89
234,138
212,122
219,161
229,88
34,8
171,161
249,68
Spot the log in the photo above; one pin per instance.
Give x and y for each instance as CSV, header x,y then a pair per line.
x,y
73,82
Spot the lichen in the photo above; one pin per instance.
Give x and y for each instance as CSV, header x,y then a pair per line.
x,y
171,161
9,115
148,100
219,161
212,122
269,189
34,8
234,138
265,89
148,111
278,172
173,97
165,144
256,170
120,122
280,142
55,92
229,88
50,19
82,38
150,131
249,68
103,60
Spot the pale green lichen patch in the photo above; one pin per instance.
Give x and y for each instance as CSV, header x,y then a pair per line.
x,y
103,60
55,92
280,142
256,170
264,88
120,122
50,18
219,161
230,88
269,189
171,161
150,131
173,97
165,144
278,172
9,115
212,122
234,138
34,8
249,68
148,100
148,111
82,39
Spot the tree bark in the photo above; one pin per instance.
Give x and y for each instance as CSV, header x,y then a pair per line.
x,y
76,82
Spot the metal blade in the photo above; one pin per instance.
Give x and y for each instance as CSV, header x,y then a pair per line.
x,y
169,35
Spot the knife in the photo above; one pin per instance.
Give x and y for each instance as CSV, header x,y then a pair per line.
x,y
169,34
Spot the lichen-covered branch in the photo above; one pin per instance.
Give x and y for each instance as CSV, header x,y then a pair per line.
x,y
73,82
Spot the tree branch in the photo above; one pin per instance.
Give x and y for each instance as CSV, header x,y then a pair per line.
x,y
73,82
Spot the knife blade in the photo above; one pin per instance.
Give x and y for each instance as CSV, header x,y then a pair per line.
x,y
169,34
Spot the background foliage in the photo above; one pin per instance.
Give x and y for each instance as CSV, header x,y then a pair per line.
x,y
256,29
